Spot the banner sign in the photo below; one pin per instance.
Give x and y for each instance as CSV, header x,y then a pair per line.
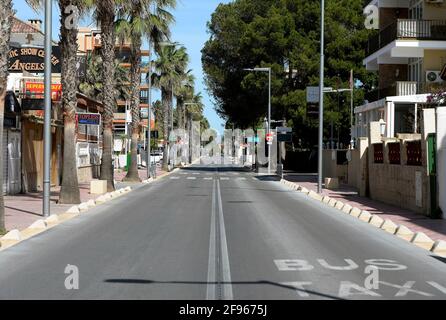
x,y
36,90
91,119
32,60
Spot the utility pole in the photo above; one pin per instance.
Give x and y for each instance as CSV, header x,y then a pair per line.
x,y
47,119
321,99
149,116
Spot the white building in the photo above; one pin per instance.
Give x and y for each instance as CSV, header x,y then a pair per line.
x,y
409,54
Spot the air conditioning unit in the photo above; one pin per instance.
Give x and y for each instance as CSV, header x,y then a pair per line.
x,y
433,77
434,1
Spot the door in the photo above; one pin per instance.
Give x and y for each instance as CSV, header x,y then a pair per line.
x,y
14,161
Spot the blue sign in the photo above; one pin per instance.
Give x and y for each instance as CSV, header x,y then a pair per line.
x,y
90,119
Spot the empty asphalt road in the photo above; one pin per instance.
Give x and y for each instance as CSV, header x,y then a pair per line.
x,y
210,232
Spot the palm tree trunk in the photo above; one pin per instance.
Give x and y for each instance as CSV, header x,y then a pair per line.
x,y
135,78
106,12
69,193
165,100
5,34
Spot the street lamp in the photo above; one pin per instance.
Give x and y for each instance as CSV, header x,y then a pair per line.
x,y
269,109
47,119
321,99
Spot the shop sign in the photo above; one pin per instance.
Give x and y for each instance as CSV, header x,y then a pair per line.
x,y
31,59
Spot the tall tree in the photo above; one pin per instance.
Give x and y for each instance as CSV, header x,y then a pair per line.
x,y
169,70
70,14
137,20
106,14
69,193
283,35
91,84
6,14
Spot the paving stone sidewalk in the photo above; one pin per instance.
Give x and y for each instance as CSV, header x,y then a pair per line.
x,y
434,228
24,209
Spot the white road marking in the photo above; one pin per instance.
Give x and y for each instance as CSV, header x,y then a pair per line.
x,y
352,265
196,173
437,286
174,178
211,287
293,265
241,178
227,287
405,289
348,289
191,178
209,178
299,286
224,178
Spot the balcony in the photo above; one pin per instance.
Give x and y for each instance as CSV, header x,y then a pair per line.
x,y
407,29
400,88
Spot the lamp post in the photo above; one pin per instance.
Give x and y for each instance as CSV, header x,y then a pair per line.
x,y
269,109
47,120
321,99
149,116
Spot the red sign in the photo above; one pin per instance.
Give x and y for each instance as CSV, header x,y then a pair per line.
x,y
269,137
36,90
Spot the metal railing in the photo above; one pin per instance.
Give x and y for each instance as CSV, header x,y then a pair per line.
x,y
407,29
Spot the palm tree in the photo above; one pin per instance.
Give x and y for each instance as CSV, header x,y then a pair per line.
x,y
136,21
91,84
183,95
6,14
168,77
106,14
69,193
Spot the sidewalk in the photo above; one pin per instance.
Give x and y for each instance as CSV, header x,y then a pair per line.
x,y
24,209
435,229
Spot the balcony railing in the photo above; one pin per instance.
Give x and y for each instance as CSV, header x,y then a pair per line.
x,y
400,88
407,29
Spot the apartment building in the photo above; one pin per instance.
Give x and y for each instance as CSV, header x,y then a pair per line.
x,y
89,41
409,54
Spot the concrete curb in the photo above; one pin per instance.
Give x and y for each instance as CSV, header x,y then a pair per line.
x,y
404,232
419,239
423,241
439,248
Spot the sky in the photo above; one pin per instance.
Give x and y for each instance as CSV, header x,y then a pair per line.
x,y
189,30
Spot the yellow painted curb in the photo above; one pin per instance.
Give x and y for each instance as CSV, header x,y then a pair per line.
x,y
376,221
405,233
421,240
356,212
389,226
365,216
439,248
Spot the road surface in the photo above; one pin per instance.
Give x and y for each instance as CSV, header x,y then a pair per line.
x,y
215,232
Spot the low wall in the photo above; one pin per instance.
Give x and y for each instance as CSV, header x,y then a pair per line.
x,y
331,168
400,185
87,173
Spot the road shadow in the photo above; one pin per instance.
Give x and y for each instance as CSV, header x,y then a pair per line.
x,y
260,282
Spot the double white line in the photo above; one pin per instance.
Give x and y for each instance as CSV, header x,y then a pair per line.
x,y
219,272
